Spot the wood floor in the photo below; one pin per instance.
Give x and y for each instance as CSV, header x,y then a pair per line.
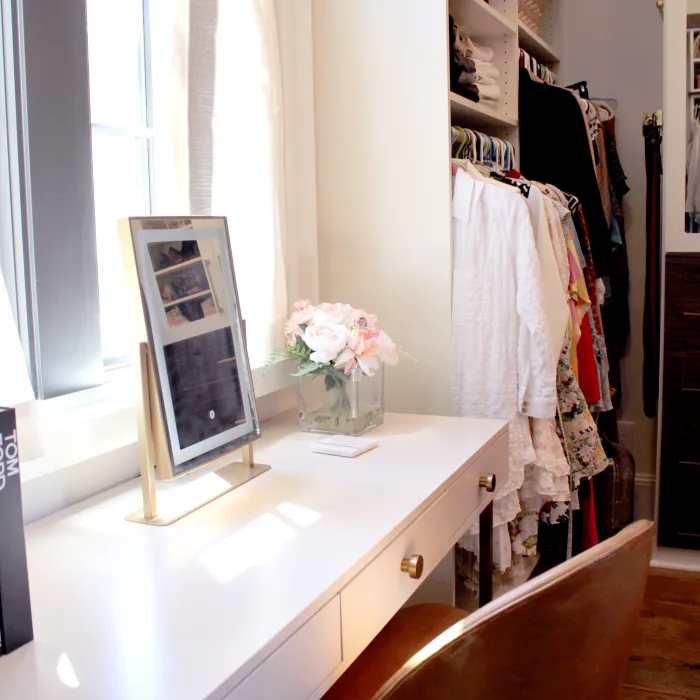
x,y
665,661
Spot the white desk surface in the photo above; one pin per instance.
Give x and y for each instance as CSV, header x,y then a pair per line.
x,y
133,612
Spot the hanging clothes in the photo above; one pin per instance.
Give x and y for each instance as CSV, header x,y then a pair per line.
x,y
555,300
502,366
578,429
575,431
692,196
652,292
555,147
592,114
501,373
615,312
579,229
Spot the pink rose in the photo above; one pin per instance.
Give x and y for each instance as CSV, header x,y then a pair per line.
x,y
362,351
333,314
326,341
367,349
302,316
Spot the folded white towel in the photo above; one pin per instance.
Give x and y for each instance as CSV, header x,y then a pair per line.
x,y
478,51
488,70
489,92
475,79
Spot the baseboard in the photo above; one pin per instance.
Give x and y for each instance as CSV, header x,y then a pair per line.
x,y
676,559
644,496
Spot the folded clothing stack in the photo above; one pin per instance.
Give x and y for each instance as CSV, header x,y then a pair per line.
x,y
472,73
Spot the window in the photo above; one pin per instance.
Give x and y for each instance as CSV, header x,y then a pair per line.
x,y
215,149
122,146
183,120
15,386
139,151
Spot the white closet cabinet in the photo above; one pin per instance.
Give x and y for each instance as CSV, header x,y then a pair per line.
x,y
383,110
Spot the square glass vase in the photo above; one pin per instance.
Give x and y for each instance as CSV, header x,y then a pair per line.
x,y
330,402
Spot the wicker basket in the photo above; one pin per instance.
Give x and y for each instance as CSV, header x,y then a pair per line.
x,y
531,12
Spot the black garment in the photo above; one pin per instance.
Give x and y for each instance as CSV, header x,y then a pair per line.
x,y
471,92
618,178
467,91
652,292
555,148
616,312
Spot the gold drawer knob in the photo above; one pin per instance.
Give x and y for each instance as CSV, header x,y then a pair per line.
x,y
413,566
488,482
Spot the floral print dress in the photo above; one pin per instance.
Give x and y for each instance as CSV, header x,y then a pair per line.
x,y
576,427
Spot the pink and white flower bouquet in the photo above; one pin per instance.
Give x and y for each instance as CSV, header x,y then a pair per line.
x,y
335,336
342,345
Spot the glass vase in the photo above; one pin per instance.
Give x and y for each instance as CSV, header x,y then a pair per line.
x,y
330,402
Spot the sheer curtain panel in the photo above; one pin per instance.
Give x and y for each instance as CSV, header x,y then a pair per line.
x,y
235,151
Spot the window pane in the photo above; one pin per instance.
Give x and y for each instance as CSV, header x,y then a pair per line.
x,y
116,47
7,245
120,167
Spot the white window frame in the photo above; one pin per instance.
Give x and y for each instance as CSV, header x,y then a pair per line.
x,y
144,133
89,437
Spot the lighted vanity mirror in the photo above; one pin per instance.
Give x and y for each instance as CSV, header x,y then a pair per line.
x,y
200,372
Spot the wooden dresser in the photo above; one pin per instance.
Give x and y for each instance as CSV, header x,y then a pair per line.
x,y
679,524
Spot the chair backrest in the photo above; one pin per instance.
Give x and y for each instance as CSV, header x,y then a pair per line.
x,y
567,633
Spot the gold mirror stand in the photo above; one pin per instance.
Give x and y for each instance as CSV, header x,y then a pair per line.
x,y
151,429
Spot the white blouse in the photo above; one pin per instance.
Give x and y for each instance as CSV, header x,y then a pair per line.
x,y
502,363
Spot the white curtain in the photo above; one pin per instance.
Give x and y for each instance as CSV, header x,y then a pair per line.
x,y
15,387
235,151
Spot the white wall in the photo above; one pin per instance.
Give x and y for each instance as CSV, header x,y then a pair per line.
x,y
382,144
617,48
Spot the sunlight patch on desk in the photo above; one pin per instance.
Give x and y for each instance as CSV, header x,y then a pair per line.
x,y
299,515
66,672
249,546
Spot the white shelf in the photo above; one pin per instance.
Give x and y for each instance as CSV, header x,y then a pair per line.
x,y
197,295
478,114
535,45
179,266
476,18
694,92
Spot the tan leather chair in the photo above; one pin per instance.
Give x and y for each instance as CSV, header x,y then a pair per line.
x,y
566,634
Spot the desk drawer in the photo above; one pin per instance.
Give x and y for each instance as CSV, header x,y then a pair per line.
x,y
288,673
683,296
381,588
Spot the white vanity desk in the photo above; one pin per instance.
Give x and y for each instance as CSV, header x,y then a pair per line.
x,y
269,592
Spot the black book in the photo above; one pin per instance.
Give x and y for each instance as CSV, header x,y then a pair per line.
x,y
15,606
